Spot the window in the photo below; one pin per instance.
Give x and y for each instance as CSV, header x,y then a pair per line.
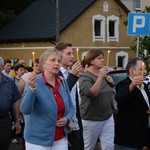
x,y
83,55
12,62
30,62
105,6
97,26
98,22
121,59
112,28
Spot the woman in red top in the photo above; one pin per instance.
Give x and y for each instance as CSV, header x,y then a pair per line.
x,y
48,104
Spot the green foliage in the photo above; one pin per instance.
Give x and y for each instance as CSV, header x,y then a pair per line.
x,y
5,17
144,45
125,23
145,50
147,9
9,9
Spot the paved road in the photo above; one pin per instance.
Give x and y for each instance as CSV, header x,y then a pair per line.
x,y
14,147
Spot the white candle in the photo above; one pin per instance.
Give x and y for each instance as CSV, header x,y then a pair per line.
x,y
33,59
142,68
108,57
77,52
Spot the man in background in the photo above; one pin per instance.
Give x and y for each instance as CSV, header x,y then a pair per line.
x,y
7,67
71,71
9,98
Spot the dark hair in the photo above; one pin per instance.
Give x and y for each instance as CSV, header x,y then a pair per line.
x,y
132,63
37,60
92,54
18,66
83,63
62,45
7,61
28,68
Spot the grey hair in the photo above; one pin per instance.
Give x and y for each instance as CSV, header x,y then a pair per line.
x,y
132,63
47,53
1,61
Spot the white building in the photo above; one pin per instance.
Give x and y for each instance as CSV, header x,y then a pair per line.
x,y
144,3
132,5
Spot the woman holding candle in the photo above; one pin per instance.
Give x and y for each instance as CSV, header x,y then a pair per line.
x,y
47,102
96,89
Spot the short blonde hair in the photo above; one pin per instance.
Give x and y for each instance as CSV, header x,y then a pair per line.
x,y
47,53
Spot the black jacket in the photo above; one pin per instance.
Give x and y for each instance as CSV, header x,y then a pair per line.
x,y
132,118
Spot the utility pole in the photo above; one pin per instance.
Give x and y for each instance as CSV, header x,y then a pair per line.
x,y
57,21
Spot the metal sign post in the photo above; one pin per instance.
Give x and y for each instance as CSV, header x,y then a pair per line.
x,y
137,46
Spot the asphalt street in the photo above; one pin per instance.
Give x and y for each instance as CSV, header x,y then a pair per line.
x,y
14,147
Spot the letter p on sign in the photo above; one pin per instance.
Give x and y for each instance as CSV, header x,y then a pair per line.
x,y
138,22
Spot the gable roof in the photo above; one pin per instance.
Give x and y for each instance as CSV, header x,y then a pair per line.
x,y
38,21
123,6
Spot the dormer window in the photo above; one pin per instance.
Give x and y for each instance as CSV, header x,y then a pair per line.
x,y
105,7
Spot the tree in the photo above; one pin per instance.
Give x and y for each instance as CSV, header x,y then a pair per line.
x,y
9,9
5,17
144,45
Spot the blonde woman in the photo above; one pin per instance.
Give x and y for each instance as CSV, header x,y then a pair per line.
x,y
48,104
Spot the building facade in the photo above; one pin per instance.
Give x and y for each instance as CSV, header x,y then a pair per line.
x,y
100,25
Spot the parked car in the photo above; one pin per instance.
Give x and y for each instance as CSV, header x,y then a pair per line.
x,y
118,74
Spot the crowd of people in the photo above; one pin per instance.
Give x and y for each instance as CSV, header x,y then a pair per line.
x,y
63,104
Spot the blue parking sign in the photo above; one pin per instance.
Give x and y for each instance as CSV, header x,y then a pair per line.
x,y
138,24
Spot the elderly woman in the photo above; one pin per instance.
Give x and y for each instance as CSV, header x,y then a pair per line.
x,y
48,104
96,89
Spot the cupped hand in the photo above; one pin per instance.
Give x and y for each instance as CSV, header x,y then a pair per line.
x,y
62,122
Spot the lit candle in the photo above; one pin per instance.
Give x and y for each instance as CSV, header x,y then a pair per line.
x,y
142,68
77,52
33,59
142,86
108,58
